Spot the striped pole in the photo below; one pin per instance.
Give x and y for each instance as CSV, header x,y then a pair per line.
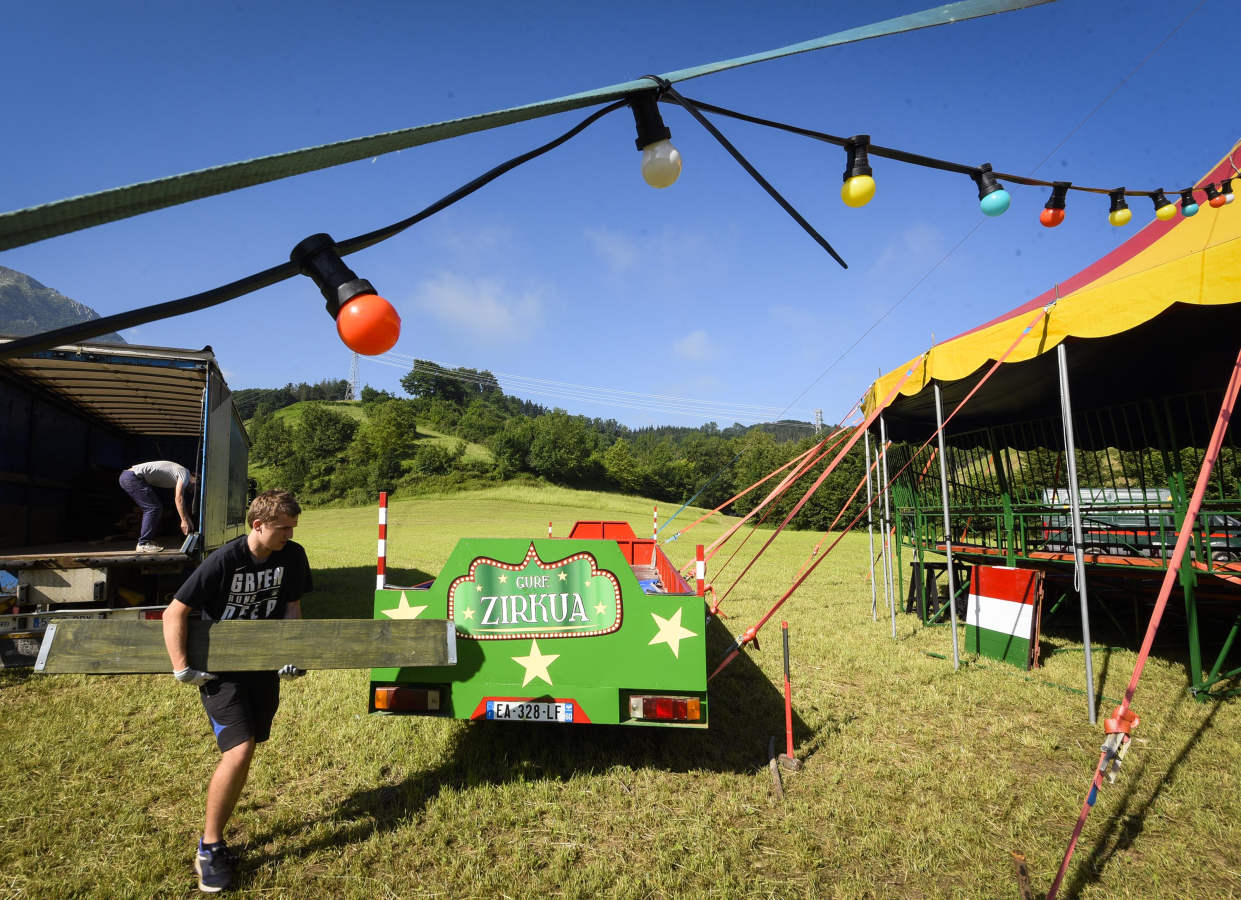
x,y
700,572
655,523
383,540
549,529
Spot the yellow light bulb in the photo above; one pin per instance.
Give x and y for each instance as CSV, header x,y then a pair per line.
x,y
858,190
1120,217
1166,212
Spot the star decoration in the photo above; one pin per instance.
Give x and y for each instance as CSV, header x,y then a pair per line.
x,y
469,613
403,610
600,609
671,632
563,576
503,579
536,664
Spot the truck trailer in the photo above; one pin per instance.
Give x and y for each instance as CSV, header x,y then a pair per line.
x,y
73,418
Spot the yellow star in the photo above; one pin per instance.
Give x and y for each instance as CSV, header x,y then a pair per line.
x,y
670,632
403,610
536,664
469,613
599,608
503,579
479,588
563,576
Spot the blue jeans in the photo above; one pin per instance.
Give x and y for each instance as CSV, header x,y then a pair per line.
x,y
146,498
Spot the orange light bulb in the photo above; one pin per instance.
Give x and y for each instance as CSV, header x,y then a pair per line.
x,y
368,324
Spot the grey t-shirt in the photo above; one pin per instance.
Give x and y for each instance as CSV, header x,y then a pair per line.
x,y
161,473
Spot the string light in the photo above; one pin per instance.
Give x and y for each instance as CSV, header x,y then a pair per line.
x,y
1119,214
1225,188
993,200
1214,197
367,323
1053,210
661,162
1164,210
1189,207
859,186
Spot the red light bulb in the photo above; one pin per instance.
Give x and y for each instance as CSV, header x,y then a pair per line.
x,y
1051,217
368,324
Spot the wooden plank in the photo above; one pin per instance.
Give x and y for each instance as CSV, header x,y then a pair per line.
x,y
117,646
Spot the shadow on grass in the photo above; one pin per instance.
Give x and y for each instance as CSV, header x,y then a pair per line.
x,y
746,710
349,593
1129,819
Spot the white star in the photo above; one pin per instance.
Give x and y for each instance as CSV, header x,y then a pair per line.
x,y
536,664
670,632
503,579
563,576
403,610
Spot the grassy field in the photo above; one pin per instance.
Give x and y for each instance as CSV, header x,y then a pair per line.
x,y
918,780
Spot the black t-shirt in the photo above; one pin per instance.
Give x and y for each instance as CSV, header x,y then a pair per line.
x,y
231,585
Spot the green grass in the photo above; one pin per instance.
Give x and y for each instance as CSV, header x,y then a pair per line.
x,y
918,780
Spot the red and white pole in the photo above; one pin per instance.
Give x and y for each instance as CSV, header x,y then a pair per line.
x,y
700,572
549,529
655,523
383,540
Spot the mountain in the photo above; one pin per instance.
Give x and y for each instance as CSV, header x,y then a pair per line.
x,y
27,307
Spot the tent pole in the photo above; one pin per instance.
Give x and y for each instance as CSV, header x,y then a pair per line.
x,y
943,489
870,532
1075,507
887,514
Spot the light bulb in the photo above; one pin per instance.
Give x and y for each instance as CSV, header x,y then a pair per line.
x,y
859,186
661,164
368,324
858,190
1189,207
1053,211
1119,214
1164,209
1214,197
993,200
1225,188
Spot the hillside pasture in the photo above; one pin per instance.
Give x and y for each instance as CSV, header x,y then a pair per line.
x,y
918,780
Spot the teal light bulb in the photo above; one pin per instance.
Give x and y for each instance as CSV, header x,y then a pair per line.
x,y
996,203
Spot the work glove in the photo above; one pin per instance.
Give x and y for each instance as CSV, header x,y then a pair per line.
x,y
193,676
290,671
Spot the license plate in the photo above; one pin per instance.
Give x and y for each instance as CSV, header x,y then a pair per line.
x,y
529,711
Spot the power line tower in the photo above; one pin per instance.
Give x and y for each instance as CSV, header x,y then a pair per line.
x,y
353,378
818,421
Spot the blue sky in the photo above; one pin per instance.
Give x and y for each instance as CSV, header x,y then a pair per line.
x,y
570,278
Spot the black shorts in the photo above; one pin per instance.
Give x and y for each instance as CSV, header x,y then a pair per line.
x,y
240,706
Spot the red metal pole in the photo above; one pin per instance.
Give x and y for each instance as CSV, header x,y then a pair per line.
x,y
383,540
700,572
788,695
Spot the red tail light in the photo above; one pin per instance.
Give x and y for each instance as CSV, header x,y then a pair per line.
x,y
665,709
407,699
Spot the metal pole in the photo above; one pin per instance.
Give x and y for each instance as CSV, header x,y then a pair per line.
x,y
943,490
870,532
887,514
1079,561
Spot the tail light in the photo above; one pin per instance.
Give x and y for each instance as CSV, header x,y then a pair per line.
x,y
665,709
406,699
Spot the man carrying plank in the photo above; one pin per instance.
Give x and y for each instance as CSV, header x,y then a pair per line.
x,y
261,575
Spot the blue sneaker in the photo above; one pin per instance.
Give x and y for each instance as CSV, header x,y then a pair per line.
x,y
214,866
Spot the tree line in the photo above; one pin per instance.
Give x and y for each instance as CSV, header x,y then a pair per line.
x,y
328,455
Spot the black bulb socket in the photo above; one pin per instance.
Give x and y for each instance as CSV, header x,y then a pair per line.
x,y
1187,198
858,162
986,181
319,258
1225,186
650,124
1118,200
1059,190
1212,192
1160,199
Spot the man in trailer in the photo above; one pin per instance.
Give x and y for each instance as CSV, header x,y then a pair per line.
x,y
140,482
261,575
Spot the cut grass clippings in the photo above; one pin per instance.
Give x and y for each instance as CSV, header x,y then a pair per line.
x,y
918,780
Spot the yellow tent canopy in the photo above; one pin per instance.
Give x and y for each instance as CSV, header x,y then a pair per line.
x,y
1161,312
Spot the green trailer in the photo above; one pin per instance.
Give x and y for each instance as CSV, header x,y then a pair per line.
x,y
595,628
